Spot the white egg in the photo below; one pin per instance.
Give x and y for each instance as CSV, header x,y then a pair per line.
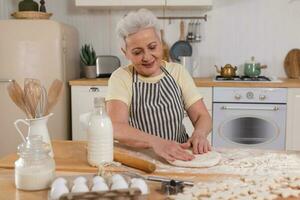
x,y
59,181
117,177
99,187
140,184
120,184
79,179
97,179
80,187
58,190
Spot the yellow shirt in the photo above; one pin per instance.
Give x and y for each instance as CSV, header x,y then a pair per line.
x,y
120,84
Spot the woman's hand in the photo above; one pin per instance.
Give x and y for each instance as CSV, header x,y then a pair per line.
x,y
199,143
170,150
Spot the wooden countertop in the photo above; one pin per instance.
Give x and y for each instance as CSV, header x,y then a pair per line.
x,y
72,154
70,159
9,191
205,82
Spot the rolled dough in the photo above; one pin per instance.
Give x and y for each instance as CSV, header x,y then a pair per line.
x,y
208,159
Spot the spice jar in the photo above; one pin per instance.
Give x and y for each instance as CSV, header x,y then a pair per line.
x,y
35,169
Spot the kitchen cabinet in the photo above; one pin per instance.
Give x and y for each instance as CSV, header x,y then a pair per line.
x,y
120,4
188,3
293,116
82,98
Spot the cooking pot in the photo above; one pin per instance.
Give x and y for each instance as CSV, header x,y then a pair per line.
x,y
227,71
252,68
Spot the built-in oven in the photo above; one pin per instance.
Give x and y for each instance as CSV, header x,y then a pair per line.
x,y
249,117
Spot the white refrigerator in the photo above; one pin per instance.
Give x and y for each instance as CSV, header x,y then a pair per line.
x,y
42,49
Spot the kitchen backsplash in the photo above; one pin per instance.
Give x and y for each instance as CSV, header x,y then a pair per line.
x,y
235,31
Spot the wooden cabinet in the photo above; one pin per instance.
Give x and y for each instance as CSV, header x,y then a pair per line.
x,y
121,4
82,98
293,122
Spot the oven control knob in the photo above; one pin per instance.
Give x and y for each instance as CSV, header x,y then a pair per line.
x,y
262,97
250,95
237,96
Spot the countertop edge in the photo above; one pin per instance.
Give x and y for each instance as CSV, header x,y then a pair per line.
x,y
204,82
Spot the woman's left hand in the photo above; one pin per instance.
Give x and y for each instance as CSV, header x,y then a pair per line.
x,y
198,142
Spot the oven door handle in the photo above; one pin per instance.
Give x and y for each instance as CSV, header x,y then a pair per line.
x,y
274,108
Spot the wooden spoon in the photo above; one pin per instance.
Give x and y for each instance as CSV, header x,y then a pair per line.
x,y
16,94
53,94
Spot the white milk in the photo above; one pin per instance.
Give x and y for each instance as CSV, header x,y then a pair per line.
x,y
100,135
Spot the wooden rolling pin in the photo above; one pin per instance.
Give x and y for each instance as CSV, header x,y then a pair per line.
x,y
133,162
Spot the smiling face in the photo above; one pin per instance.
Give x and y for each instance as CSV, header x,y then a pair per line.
x,y
144,50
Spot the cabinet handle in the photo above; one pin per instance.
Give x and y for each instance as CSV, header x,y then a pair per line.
x,y
94,89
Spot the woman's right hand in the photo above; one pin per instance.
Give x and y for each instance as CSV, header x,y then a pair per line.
x,y
170,150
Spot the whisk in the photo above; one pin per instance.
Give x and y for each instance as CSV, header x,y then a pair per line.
x,y
42,103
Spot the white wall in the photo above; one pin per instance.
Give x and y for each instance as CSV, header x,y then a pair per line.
x,y
235,30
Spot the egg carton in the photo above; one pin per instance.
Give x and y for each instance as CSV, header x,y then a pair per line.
x,y
87,187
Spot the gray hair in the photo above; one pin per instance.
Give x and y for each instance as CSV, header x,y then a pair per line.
x,y
136,21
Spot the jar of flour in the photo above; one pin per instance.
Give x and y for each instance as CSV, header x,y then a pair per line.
x,y
35,169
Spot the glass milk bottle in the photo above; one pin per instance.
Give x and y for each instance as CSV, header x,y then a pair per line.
x,y
35,169
100,135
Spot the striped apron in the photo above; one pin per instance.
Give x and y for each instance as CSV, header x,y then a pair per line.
x,y
157,108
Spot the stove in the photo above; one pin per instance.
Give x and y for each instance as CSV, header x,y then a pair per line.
x,y
242,78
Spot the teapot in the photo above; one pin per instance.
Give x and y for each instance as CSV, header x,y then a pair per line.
x,y
252,68
227,71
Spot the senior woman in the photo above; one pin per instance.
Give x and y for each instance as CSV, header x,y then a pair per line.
x,y
146,100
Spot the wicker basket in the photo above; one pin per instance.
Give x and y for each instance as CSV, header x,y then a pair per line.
x,y
31,15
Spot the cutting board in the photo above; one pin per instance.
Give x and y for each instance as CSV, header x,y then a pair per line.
x,y
292,64
72,156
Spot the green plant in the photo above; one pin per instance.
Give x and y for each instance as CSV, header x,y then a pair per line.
x,y
88,55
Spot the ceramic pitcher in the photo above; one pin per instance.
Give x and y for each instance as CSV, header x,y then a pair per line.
x,y
36,126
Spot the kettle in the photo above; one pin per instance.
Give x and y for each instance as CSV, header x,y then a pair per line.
x,y
252,68
227,71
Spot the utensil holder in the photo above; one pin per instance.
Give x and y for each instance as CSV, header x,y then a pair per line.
x,y
36,126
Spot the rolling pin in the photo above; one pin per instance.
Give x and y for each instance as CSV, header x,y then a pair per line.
x,y
134,162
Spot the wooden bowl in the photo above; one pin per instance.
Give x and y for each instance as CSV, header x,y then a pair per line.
x,y
31,15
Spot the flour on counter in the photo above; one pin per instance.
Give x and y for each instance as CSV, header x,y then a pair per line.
x,y
246,162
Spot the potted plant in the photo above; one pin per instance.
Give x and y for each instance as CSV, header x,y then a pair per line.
x,y
88,59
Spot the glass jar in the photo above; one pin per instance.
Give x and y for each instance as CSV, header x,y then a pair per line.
x,y
35,169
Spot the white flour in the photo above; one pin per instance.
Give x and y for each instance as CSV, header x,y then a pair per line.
x,y
238,162
35,179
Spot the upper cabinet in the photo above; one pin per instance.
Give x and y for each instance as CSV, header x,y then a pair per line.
x,y
119,4
189,3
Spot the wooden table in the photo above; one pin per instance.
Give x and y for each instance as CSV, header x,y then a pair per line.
x,y
70,158
8,190
66,165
